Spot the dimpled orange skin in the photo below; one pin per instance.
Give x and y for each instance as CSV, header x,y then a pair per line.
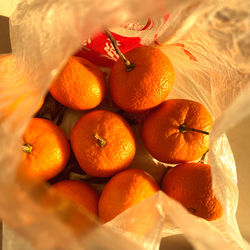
x,y
50,151
191,185
80,85
80,193
147,85
125,190
163,139
120,146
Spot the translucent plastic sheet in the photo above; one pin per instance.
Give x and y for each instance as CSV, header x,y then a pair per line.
x,y
207,44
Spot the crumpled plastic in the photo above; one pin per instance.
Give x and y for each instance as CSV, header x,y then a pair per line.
x,y
207,43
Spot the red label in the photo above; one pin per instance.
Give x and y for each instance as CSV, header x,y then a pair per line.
x,y
100,51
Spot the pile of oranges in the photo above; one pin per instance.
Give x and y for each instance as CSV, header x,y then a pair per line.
x,y
174,131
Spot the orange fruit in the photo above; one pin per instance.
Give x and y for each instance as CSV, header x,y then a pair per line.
x,y
167,131
191,185
46,148
125,190
146,85
80,85
18,78
80,193
103,143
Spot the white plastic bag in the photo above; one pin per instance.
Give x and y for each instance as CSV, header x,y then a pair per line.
x,y
209,69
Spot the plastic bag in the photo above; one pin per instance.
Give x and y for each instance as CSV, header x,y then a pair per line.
x,y
209,69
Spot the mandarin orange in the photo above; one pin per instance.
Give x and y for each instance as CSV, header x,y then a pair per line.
x,y
177,131
191,185
80,85
103,143
46,148
80,193
144,85
125,190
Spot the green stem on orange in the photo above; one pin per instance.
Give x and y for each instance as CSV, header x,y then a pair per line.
x,y
129,66
183,128
100,141
27,148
